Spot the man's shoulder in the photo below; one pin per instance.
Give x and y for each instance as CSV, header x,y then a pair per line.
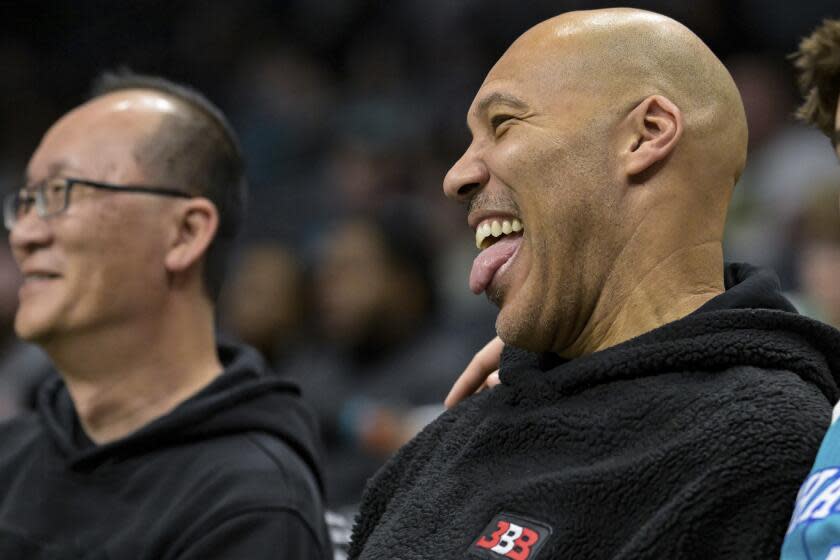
x,y
773,395
20,430
253,474
261,463
765,408
764,413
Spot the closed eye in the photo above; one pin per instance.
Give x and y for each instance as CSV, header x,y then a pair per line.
x,y
498,120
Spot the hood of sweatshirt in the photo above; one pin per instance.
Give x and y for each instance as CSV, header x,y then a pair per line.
x,y
750,324
246,397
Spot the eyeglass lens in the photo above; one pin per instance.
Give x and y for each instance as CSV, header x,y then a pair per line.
x,y
49,198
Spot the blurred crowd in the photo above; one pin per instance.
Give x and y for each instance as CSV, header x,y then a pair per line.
x,y
351,275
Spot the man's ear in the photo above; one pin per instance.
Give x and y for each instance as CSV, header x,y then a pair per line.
x,y
653,129
196,224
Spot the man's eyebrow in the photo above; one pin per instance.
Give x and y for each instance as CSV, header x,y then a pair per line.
x,y
502,98
55,169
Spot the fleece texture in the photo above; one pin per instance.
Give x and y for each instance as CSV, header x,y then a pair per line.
x,y
231,472
689,441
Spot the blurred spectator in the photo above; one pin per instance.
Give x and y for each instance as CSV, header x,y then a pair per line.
x,y
786,162
283,98
817,233
813,530
265,302
384,363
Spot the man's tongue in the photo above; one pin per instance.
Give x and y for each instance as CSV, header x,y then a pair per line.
x,y
491,260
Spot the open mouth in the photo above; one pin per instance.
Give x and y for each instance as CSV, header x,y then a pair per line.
x,y
489,232
499,241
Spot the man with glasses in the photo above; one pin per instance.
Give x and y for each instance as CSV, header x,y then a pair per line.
x,y
814,530
156,441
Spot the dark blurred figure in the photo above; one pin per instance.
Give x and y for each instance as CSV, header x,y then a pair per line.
x,y
284,98
22,365
385,362
265,303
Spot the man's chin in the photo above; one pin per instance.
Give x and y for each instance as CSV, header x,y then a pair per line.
x,y
520,330
31,330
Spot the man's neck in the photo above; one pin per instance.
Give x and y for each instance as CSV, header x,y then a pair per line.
x,y
636,300
122,379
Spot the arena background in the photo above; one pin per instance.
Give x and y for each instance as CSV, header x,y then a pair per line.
x,y
354,110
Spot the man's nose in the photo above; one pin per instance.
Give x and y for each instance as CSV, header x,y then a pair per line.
x,y
466,177
30,230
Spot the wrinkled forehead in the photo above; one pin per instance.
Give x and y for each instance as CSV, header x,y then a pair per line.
x,y
532,75
535,55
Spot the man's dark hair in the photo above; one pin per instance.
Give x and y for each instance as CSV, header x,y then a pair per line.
x,y
818,64
199,154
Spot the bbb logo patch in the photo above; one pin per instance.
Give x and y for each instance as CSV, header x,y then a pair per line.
x,y
510,536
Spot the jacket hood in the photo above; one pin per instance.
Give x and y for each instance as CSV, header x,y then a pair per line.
x,y
750,324
246,397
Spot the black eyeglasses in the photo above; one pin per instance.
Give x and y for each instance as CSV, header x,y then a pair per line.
x,y
52,197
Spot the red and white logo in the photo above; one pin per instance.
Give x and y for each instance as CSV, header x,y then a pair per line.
x,y
511,536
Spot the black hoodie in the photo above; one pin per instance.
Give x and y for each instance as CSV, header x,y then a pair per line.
x,y
231,472
689,441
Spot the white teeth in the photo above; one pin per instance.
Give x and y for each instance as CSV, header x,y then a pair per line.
x,y
496,229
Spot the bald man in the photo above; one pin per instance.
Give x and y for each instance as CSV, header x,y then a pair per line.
x,y
814,530
156,441
653,403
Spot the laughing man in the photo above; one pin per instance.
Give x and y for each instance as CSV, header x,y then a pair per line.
x,y
653,403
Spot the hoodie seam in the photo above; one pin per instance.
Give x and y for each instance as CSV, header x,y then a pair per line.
x,y
309,474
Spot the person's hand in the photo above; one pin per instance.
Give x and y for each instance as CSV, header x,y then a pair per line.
x,y
482,373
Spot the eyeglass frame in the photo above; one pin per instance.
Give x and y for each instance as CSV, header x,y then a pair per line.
x,y
10,217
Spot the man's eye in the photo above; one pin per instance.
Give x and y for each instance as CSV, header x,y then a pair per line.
x,y
55,187
498,120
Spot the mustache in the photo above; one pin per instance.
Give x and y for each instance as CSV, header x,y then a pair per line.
x,y
484,200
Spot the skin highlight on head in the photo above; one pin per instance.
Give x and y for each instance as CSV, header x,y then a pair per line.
x,y
617,137
128,268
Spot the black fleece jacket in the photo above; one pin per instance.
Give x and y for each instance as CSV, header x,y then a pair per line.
x,y
230,473
689,441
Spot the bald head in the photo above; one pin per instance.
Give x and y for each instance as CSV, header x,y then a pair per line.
x,y
618,57
614,138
